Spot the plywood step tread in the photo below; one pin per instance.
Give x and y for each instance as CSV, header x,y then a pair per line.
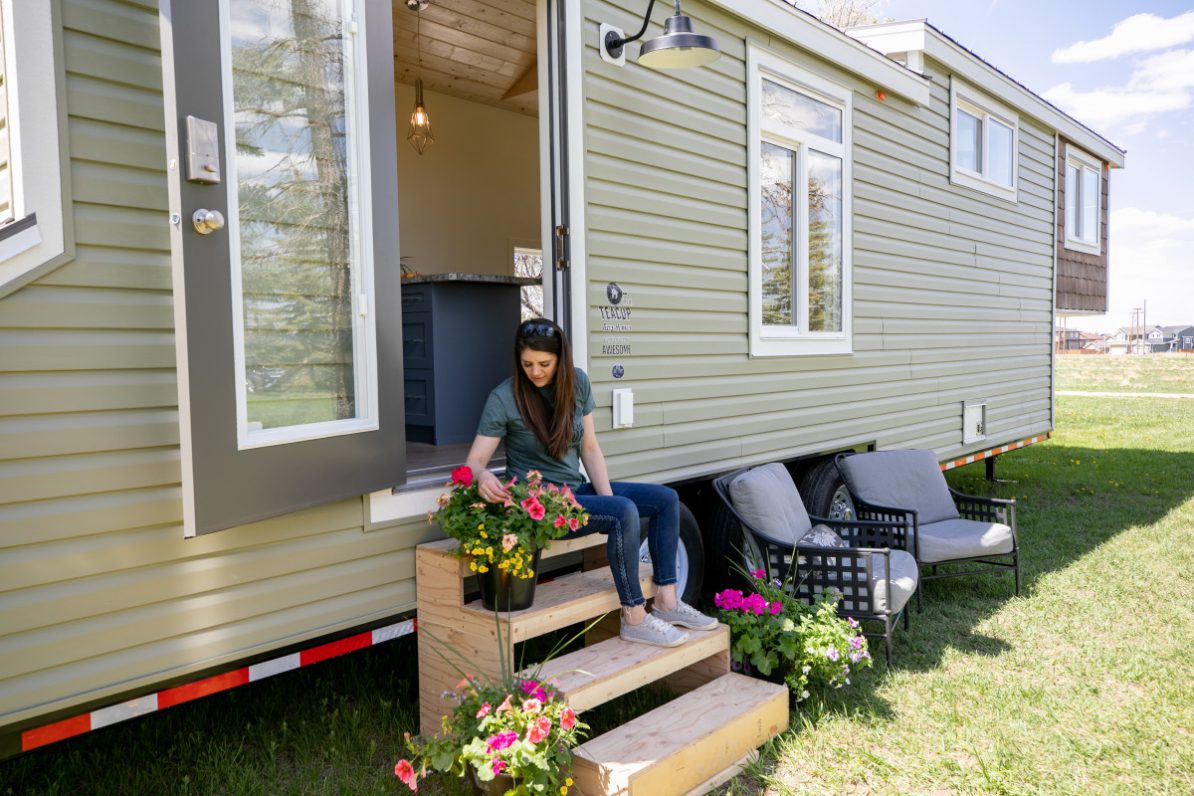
x,y
563,601
559,547
684,743
598,673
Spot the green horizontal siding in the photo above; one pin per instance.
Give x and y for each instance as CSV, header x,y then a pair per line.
x,y
99,591
952,288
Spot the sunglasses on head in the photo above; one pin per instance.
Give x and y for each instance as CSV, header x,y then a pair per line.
x,y
537,329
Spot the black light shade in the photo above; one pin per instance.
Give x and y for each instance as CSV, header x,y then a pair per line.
x,y
678,47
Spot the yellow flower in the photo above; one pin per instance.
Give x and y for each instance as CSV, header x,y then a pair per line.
x,y
482,568
563,789
472,565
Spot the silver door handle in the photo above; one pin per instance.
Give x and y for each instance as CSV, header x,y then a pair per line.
x,y
207,221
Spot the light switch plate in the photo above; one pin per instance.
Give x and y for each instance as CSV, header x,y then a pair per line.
x,y
623,407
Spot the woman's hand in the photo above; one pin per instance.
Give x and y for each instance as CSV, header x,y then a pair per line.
x,y
490,487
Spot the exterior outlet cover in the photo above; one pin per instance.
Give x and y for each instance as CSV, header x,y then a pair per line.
x,y
974,421
623,408
605,56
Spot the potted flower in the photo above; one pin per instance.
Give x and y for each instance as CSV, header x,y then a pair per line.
x,y
780,637
512,738
504,540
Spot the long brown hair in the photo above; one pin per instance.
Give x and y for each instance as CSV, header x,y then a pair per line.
x,y
551,423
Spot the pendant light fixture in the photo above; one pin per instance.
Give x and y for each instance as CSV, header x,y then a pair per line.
x,y
419,135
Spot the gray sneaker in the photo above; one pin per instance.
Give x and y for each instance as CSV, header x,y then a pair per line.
x,y
685,615
652,631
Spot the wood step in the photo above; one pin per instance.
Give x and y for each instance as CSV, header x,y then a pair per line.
x,y
684,744
594,675
563,601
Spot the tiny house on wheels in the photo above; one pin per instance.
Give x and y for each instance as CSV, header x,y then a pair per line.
x,y
250,303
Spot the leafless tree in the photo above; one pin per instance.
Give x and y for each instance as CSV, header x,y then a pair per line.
x,y
844,13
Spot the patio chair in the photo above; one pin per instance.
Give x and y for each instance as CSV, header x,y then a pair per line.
x,y
851,557
942,526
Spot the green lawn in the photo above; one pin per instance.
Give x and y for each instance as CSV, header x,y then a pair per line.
x,y
1153,373
1082,684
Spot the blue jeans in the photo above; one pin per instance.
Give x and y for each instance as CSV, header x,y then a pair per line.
x,y
618,515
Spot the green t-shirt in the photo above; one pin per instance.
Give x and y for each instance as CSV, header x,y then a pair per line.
x,y
524,452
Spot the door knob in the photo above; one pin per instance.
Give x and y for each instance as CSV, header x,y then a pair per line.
x,y
207,221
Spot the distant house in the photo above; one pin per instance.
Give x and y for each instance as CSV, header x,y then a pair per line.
x,y
1181,338
1068,339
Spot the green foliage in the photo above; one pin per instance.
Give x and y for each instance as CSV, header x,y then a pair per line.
x,y
506,535
779,636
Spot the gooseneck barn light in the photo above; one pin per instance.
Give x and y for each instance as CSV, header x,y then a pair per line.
x,y
677,48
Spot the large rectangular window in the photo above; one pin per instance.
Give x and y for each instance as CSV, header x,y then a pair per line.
x,y
1082,202
299,200
983,143
799,209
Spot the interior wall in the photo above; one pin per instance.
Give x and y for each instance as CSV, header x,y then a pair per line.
x,y
473,192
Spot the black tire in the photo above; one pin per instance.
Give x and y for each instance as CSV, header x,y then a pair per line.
x,y
690,556
824,493
728,551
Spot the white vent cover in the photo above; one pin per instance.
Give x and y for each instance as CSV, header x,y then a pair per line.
x,y
974,421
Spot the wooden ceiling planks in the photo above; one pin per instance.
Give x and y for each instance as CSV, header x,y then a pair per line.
x,y
480,50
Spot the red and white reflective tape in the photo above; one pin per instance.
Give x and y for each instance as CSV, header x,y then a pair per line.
x,y
167,698
975,457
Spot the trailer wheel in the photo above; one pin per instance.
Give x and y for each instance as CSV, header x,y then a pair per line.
x,y
824,493
690,557
729,548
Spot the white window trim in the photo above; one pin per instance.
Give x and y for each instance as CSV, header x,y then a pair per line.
x,y
1084,160
768,341
364,337
962,96
37,143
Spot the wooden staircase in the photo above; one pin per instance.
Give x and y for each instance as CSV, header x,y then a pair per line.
x,y
689,745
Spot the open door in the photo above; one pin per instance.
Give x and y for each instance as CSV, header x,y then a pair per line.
x,y
283,199
558,268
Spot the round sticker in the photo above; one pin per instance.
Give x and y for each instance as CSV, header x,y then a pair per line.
x,y
618,371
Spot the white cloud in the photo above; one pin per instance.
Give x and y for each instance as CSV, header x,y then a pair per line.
x,y
1138,33
1150,263
1112,106
1158,83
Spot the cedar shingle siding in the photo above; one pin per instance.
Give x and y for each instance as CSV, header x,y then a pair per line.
x,y
1081,277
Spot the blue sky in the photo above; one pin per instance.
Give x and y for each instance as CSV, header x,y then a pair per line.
x,y
1125,69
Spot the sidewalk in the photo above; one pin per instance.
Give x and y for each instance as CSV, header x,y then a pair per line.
x,y
1127,394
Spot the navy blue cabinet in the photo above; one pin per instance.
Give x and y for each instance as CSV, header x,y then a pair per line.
x,y
457,339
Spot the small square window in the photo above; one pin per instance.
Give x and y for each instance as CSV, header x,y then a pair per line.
x,y
983,143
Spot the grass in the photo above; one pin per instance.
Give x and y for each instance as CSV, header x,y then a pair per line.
x,y
1081,684
1172,373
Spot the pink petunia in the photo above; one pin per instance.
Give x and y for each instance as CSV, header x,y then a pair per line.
x,y
760,573
534,508
508,542
539,730
531,705
502,708
484,711
568,719
406,773
499,766
500,741
776,607
559,521
573,524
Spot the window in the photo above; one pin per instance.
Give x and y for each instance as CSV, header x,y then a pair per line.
x,y
34,237
299,216
528,263
1082,202
800,210
982,143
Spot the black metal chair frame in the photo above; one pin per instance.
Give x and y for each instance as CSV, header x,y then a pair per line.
x,y
813,569
970,507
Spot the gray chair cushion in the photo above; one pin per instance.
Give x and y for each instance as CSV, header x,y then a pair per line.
x,y
905,574
908,479
951,539
823,536
767,499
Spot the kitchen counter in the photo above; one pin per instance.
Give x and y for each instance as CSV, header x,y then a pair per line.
x,y
475,279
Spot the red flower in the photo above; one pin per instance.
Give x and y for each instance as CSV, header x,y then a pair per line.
x,y
559,522
573,524
406,772
568,719
463,476
539,730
